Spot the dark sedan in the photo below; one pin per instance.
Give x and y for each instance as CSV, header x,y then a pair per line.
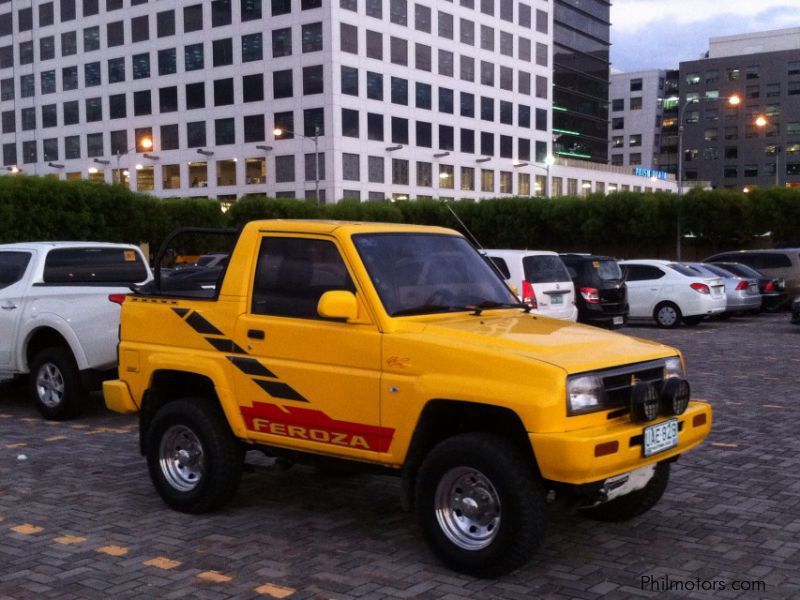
x,y
772,291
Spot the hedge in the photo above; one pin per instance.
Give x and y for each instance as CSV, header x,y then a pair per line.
x,y
622,223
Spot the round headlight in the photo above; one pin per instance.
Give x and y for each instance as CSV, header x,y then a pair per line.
x,y
644,402
675,396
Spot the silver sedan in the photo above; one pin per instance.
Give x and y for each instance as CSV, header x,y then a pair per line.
x,y
741,292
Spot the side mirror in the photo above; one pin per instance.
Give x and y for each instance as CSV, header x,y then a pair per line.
x,y
338,304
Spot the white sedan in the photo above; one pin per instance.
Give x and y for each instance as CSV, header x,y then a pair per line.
x,y
670,292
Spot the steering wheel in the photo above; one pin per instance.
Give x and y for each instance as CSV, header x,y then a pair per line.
x,y
441,296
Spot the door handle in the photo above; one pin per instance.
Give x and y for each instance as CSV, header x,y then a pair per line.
x,y
255,334
8,306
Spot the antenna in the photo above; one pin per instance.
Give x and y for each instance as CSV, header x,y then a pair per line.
x,y
469,233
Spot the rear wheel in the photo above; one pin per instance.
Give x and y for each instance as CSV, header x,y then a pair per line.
x,y
194,459
634,503
667,315
480,505
55,384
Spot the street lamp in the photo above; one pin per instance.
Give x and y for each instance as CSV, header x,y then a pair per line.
x,y
548,162
279,131
761,122
733,100
145,142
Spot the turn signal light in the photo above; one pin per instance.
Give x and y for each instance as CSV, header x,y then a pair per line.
x,y
699,420
117,298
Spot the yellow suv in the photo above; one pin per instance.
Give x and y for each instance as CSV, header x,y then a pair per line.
x,y
399,349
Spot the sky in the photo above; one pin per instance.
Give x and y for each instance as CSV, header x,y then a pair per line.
x,y
652,34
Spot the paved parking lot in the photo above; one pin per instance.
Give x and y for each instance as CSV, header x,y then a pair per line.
x,y
79,518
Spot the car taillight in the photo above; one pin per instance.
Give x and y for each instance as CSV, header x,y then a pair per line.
x,y
528,295
117,298
742,285
770,287
590,294
701,288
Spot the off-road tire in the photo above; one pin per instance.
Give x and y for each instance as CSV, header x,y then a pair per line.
x,y
512,475
634,503
659,316
220,455
55,384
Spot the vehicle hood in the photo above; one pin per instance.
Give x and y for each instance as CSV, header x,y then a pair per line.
x,y
570,346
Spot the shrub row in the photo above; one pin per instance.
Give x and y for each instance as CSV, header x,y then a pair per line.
x,y
622,223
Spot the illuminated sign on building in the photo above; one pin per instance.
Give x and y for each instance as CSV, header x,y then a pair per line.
x,y
642,172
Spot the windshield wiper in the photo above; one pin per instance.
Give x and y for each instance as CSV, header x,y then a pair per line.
x,y
487,304
429,308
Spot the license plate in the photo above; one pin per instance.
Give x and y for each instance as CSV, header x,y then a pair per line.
x,y
658,438
618,320
557,299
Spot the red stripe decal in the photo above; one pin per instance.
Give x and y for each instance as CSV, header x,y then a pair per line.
x,y
315,426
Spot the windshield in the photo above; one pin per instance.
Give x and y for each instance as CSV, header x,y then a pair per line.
x,y
544,269
418,273
12,267
607,270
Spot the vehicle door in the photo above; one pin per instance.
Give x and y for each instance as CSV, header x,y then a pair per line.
x,y
644,288
13,282
302,380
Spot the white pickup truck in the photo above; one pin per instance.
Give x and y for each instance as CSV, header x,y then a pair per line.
x,y
56,321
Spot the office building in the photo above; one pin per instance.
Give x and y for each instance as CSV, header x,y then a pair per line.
x,y
637,104
581,40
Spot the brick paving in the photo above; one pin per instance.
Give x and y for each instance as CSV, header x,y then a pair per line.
x,y
79,517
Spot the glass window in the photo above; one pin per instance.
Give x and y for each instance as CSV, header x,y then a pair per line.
x,y
348,38
142,103
195,135
168,99
193,57
375,8
424,137
487,38
220,13
72,146
467,179
374,85
91,73
69,43
116,70
171,177
254,130
223,92
487,143
165,23
398,12
169,138
282,84
467,68
399,91
292,274
94,109
284,169
141,66
192,18
398,50
222,51
351,170
445,25
253,88
167,61
467,32
468,141
281,7
115,34
313,122
50,115
255,170
374,45
47,47
140,29
399,171
350,126
445,63
312,80
198,174
349,81
195,95
117,107
467,104
48,82
94,145
399,130
446,100
224,132
422,57
446,137
282,42
45,14
312,37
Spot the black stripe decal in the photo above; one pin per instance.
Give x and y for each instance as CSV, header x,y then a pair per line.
x,y
200,325
251,366
276,389
225,345
181,312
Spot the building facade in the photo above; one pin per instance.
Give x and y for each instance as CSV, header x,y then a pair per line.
x,y
373,98
581,41
637,104
757,141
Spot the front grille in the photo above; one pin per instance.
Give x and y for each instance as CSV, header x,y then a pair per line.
x,y
617,383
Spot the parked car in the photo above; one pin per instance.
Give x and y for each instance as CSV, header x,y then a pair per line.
x,y
56,322
671,292
741,293
600,292
783,263
796,311
541,280
771,288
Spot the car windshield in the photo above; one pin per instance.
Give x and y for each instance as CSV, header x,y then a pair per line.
x,y
418,273
606,270
12,267
544,269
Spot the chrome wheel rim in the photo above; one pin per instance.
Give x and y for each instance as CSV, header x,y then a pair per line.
x,y
181,458
667,315
50,385
467,508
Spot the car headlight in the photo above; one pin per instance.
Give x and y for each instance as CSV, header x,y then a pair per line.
x,y
584,392
674,368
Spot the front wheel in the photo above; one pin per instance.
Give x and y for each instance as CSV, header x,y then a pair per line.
x,y
667,315
55,384
634,503
195,461
480,505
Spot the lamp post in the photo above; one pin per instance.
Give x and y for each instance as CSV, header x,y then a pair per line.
x,y
761,122
548,162
145,143
733,100
279,131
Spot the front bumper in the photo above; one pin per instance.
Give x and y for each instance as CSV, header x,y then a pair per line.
x,y
118,397
569,457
